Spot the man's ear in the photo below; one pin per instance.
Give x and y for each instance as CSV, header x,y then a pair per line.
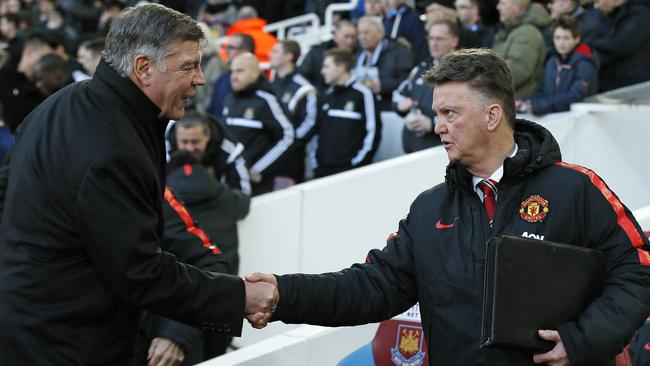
x,y
494,116
142,69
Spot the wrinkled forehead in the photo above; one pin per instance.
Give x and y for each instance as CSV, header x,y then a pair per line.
x,y
455,94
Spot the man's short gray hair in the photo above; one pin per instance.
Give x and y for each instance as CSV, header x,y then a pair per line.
x,y
376,22
147,29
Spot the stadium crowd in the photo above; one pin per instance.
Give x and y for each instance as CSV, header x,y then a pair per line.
x,y
273,114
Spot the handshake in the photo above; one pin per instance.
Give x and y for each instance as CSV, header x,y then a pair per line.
x,y
262,298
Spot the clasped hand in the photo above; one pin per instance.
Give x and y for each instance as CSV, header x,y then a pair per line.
x,y
262,298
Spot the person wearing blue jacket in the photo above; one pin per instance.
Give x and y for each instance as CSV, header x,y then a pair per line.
x,y
571,74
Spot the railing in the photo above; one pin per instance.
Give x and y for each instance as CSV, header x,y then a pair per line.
x,y
280,28
335,8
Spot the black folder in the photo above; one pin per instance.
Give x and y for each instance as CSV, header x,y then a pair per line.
x,y
535,284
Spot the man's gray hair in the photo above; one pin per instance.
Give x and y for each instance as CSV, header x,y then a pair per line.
x,y
147,29
374,21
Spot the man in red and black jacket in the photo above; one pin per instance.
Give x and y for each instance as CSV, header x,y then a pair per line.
x,y
503,178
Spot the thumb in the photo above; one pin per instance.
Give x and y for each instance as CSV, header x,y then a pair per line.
x,y
254,277
549,335
265,277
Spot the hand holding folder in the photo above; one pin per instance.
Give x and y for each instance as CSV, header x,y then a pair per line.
x,y
535,284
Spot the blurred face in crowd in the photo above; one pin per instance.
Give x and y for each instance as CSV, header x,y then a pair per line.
x,y
235,47
564,41
461,122
391,4
171,90
12,7
88,59
244,71
345,37
606,6
7,29
193,139
278,57
468,12
369,35
332,73
30,56
44,6
560,7
441,41
436,12
509,10
373,7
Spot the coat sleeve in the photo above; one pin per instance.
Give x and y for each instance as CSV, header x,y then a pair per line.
x,y
188,247
236,173
122,242
610,321
372,121
404,91
376,290
631,34
522,54
277,124
585,81
303,107
396,70
310,65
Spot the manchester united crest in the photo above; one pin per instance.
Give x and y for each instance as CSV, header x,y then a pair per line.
x,y
534,209
408,346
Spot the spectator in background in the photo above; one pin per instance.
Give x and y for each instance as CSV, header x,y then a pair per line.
x,y
90,53
520,43
218,15
249,22
624,51
213,67
237,44
192,197
344,37
9,27
51,74
81,15
56,24
298,100
414,96
469,17
255,117
57,42
374,8
348,128
44,7
444,10
208,138
6,137
592,23
109,10
382,63
402,21
18,94
571,73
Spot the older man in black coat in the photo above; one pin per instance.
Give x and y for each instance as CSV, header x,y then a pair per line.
x,y
82,215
